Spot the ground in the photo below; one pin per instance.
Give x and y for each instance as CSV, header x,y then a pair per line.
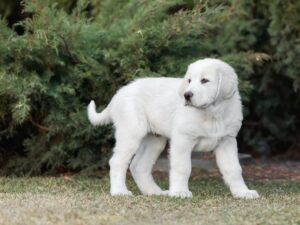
x,y
259,170
82,200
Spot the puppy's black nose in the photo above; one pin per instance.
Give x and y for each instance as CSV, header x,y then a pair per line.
x,y
188,95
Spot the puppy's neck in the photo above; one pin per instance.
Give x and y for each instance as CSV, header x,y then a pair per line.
x,y
216,111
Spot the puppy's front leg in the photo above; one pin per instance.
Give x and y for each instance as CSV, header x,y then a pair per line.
x,y
229,165
180,163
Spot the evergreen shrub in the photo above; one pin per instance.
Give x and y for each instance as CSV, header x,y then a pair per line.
x,y
69,52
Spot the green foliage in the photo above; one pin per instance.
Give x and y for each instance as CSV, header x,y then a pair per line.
x,y
72,51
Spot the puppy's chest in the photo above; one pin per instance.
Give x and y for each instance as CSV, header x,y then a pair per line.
x,y
206,144
212,129
210,134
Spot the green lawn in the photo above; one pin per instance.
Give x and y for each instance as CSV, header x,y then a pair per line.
x,y
80,200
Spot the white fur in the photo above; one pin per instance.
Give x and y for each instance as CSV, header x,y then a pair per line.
x,y
149,111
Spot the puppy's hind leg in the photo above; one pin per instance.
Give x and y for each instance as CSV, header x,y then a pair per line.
x,y
142,163
126,146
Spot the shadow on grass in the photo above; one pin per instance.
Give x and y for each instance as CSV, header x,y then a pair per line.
x,y
216,187
207,188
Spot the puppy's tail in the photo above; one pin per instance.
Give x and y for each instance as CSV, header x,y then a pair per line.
x,y
97,118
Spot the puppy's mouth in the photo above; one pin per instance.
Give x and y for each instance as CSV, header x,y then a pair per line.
x,y
188,103
202,107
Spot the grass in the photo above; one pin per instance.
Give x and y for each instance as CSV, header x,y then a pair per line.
x,y
79,200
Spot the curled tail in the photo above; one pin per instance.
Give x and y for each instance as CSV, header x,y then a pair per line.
x,y
97,118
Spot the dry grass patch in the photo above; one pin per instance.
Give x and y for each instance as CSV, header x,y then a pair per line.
x,y
81,200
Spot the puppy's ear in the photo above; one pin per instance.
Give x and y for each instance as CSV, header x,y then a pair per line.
x,y
182,87
227,84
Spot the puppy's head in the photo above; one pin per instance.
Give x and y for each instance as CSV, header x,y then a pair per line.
x,y
208,82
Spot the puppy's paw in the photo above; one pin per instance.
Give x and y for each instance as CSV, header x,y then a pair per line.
x,y
121,193
165,192
181,194
246,194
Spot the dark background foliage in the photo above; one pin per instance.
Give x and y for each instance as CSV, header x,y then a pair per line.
x,y
57,55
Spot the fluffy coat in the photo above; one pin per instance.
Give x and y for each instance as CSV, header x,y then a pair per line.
x,y
200,112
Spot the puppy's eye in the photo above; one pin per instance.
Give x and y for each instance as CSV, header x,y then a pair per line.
x,y
189,80
203,81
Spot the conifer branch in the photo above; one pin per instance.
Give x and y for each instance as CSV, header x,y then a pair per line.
x,y
74,60
38,125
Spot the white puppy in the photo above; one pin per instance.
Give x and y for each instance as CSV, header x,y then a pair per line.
x,y
201,111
